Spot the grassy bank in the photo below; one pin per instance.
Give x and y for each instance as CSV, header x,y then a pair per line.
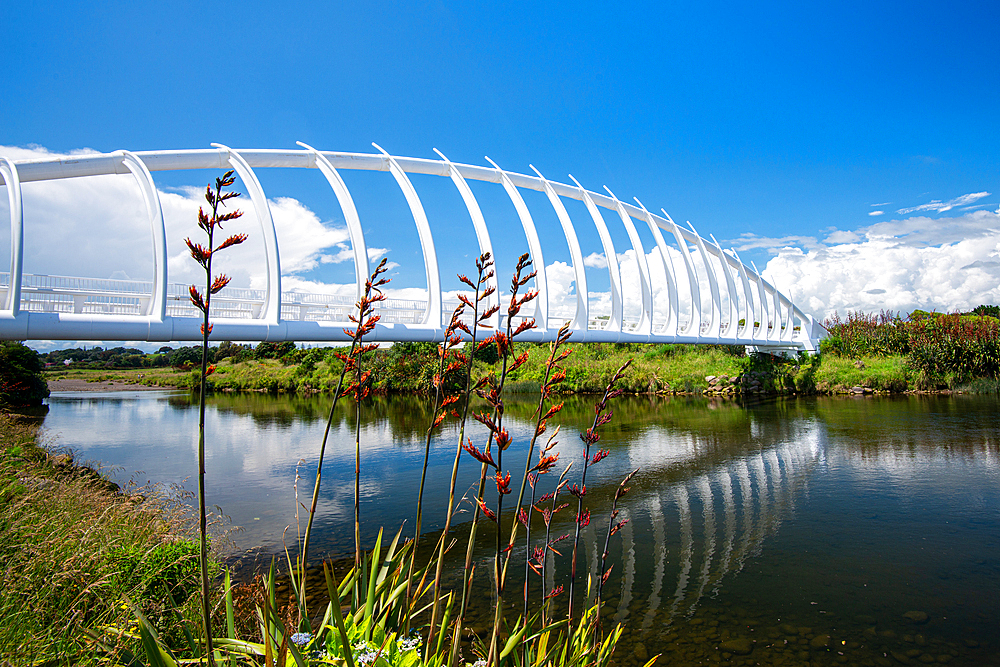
x,y
656,369
74,550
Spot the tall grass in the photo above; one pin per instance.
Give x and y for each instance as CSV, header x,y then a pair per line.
x,y
74,553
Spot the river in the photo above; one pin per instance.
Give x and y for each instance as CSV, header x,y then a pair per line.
x,y
803,530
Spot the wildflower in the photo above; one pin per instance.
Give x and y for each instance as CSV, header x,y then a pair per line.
x,y
409,644
302,638
479,663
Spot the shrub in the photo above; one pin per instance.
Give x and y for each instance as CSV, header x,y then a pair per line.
x,y
960,346
866,335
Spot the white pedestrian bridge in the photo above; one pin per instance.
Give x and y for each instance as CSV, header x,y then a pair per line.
x,y
710,295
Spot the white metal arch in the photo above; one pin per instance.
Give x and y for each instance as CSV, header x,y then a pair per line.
x,y
12,301
534,245
582,317
670,327
157,308
247,314
615,320
270,311
645,325
354,230
482,233
432,315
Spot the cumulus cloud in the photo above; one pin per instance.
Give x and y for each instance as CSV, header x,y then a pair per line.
x,y
933,264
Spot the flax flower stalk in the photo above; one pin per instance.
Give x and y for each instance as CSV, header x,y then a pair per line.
x,y
590,437
484,264
371,295
552,378
203,255
438,414
495,397
613,527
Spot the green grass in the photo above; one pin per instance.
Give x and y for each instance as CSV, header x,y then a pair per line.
x,y
891,374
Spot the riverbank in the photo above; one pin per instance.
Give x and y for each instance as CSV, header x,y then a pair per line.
x,y
75,549
656,369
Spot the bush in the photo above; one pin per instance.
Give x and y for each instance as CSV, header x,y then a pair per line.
x,y
168,571
21,381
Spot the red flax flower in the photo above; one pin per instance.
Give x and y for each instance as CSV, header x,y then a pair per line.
x,y
618,526
600,456
196,298
503,439
482,457
503,483
545,463
486,510
583,518
220,281
235,239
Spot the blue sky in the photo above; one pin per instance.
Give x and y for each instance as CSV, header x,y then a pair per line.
x,y
779,127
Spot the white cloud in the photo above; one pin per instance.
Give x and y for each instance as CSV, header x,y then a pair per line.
x,y
941,207
874,213
943,264
750,241
596,261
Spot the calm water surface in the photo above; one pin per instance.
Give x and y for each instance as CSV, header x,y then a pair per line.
x,y
799,529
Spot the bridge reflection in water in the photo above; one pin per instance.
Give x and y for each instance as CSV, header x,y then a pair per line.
x,y
718,518
698,511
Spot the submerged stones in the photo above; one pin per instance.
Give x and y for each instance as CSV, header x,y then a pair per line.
x,y
730,635
918,617
737,645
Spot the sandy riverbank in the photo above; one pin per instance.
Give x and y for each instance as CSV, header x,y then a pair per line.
x,y
75,384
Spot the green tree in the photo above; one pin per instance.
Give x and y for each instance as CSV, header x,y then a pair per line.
x,y
21,381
